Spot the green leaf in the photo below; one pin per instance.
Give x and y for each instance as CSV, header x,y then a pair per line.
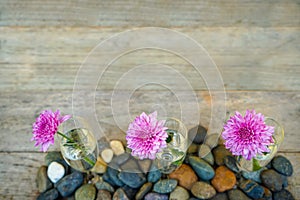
x,y
256,165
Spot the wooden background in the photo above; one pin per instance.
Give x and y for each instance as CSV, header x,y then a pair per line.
x,y
255,44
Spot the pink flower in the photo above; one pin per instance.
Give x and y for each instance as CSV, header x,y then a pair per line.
x,y
247,136
146,136
45,127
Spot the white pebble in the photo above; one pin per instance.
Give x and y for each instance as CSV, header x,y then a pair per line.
x,y
117,147
55,171
107,155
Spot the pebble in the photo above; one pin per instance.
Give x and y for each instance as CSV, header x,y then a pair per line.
x,y
106,178
134,180
67,185
145,165
212,140
224,179
55,171
283,194
220,196
102,185
282,165
156,196
103,195
255,175
197,134
107,155
230,162
113,175
154,175
117,147
42,180
48,195
103,143
252,189
272,180
131,165
120,195
206,154
143,191
85,192
202,168
120,159
237,194
100,166
193,148
181,175
220,152
203,190
129,191
179,193
57,157
165,186
267,194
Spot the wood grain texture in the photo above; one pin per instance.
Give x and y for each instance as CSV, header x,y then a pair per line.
x,y
255,45
168,13
247,58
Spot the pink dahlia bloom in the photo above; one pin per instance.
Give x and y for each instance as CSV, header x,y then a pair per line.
x,y
45,127
247,136
146,136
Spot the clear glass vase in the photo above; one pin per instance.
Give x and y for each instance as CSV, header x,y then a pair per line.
x,y
79,147
171,157
262,160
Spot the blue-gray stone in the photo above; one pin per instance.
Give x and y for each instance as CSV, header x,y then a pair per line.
x,y
282,165
114,176
197,134
220,196
237,194
230,162
120,195
283,194
129,191
202,168
67,185
165,186
156,196
134,180
102,185
107,179
48,195
154,175
272,180
255,175
252,189
120,159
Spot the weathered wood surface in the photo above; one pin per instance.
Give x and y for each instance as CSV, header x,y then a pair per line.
x,y
169,13
255,45
247,58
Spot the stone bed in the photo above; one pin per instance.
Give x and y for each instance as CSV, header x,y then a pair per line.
x,y
208,172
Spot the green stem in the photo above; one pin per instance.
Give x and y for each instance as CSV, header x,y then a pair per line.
x,y
63,135
86,159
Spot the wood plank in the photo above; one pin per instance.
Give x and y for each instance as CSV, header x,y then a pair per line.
x,y
18,174
150,13
247,58
19,109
